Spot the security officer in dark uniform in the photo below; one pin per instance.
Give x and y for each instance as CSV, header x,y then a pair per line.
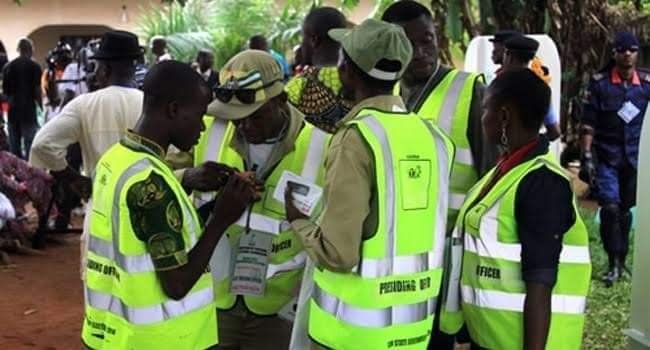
x,y
520,52
615,104
498,44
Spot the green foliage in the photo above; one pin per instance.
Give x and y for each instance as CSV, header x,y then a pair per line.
x,y
184,26
608,309
235,22
224,26
286,30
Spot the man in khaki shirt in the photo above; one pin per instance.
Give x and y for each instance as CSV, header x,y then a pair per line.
x,y
350,212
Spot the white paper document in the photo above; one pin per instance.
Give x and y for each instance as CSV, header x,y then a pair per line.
x,y
305,193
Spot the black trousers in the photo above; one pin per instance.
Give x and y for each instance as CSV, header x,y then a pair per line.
x,y
66,200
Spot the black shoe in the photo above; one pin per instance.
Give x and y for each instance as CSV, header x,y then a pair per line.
x,y
612,276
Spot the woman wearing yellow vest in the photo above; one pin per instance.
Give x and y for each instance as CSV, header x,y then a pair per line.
x,y
525,265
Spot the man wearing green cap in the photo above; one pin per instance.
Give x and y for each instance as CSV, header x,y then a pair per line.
x,y
379,240
250,126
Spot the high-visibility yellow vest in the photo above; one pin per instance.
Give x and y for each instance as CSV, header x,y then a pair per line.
x,y
491,289
389,299
126,307
287,258
448,106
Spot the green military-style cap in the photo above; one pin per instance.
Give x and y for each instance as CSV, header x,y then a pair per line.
x,y
372,41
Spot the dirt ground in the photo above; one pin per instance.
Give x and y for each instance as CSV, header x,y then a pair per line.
x,y
41,299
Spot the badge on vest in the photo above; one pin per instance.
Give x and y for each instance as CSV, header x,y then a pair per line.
x,y
251,263
415,180
628,112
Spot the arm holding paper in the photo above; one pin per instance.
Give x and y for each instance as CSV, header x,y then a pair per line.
x,y
334,241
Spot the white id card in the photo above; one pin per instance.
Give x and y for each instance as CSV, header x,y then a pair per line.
x,y
251,262
305,195
628,112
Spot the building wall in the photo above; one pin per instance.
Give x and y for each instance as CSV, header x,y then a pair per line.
x,y
44,21
20,21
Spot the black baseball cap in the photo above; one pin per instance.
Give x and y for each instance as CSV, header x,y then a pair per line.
x,y
503,35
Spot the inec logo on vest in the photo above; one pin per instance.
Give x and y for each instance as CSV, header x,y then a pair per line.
x,y
415,172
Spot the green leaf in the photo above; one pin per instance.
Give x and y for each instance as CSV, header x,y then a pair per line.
x,y
228,23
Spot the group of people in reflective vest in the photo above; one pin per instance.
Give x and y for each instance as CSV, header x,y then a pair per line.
x,y
411,235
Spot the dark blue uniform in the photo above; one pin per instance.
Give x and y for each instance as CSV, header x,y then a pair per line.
x,y
616,146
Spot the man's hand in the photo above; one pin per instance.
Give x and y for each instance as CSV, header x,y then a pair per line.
x,y
289,208
587,169
207,177
233,200
249,176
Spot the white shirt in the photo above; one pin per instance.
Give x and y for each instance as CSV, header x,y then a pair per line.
x,y
259,154
96,120
73,72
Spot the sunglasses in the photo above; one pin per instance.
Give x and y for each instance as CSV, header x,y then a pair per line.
x,y
625,49
225,93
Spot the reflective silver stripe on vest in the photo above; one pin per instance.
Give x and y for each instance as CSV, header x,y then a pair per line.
x,y
314,159
451,279
393,264
448,109
261,223
210,153
444,173
373,318
150,314
456,200
111,250
311,167
491,299
378,130
296,262
464,156
215,139
488,245
400,265
128,263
